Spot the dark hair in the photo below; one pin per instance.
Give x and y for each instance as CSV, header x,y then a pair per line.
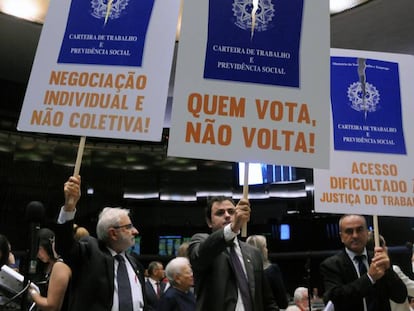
x,y
46,239
4,249
211,201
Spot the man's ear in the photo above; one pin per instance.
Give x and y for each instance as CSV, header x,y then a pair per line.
x,y
340,236
209,222
112,234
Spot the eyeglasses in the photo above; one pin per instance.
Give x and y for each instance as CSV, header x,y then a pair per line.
x,y
127,226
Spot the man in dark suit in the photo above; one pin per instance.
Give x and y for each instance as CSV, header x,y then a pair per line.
x,y
360,283
218,285
155,285
97,263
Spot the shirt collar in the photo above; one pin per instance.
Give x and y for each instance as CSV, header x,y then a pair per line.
x,y
352,254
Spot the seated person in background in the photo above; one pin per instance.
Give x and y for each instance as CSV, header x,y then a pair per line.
x,y
6,256
347,282
271,271
301,300
79,232
406,280
316,301
5,260
178,296
183,250
154,285
12,260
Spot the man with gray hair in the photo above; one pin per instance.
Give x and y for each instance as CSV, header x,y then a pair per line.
x,y
104,276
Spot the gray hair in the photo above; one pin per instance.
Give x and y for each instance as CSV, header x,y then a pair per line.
x,y
109,217
174,267
299,294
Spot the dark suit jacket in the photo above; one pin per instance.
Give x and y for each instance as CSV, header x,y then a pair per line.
x,y
274,275
92,270
215,283
346,290
176,300
152,298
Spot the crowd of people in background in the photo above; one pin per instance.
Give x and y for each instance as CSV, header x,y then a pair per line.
x,y
214,271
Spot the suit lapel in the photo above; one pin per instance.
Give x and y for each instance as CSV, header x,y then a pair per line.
x,y
248,264
109,266
135,267
349,266
150,289
162,285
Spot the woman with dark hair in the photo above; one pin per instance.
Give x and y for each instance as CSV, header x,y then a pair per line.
x,y
46,252
6,255
4,250
54,275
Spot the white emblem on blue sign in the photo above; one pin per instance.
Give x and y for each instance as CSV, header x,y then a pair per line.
x,y
264,13
104,9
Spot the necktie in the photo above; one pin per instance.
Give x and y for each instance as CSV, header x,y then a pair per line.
x,y
158,289
361,265
124,287
241,278
370,298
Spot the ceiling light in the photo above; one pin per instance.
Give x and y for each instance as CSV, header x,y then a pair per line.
x,y
141,196
32,10
201,194
252,195
338,6
178,197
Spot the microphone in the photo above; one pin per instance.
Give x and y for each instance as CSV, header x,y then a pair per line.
x,y
34,215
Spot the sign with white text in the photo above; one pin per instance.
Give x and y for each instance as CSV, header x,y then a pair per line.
x,y
102,69
252,82
371,168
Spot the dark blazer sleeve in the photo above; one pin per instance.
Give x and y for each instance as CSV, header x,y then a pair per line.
x,y
65,242
204,249
394,286
274,275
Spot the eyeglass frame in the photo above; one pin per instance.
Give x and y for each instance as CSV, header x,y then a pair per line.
x,y
127,226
